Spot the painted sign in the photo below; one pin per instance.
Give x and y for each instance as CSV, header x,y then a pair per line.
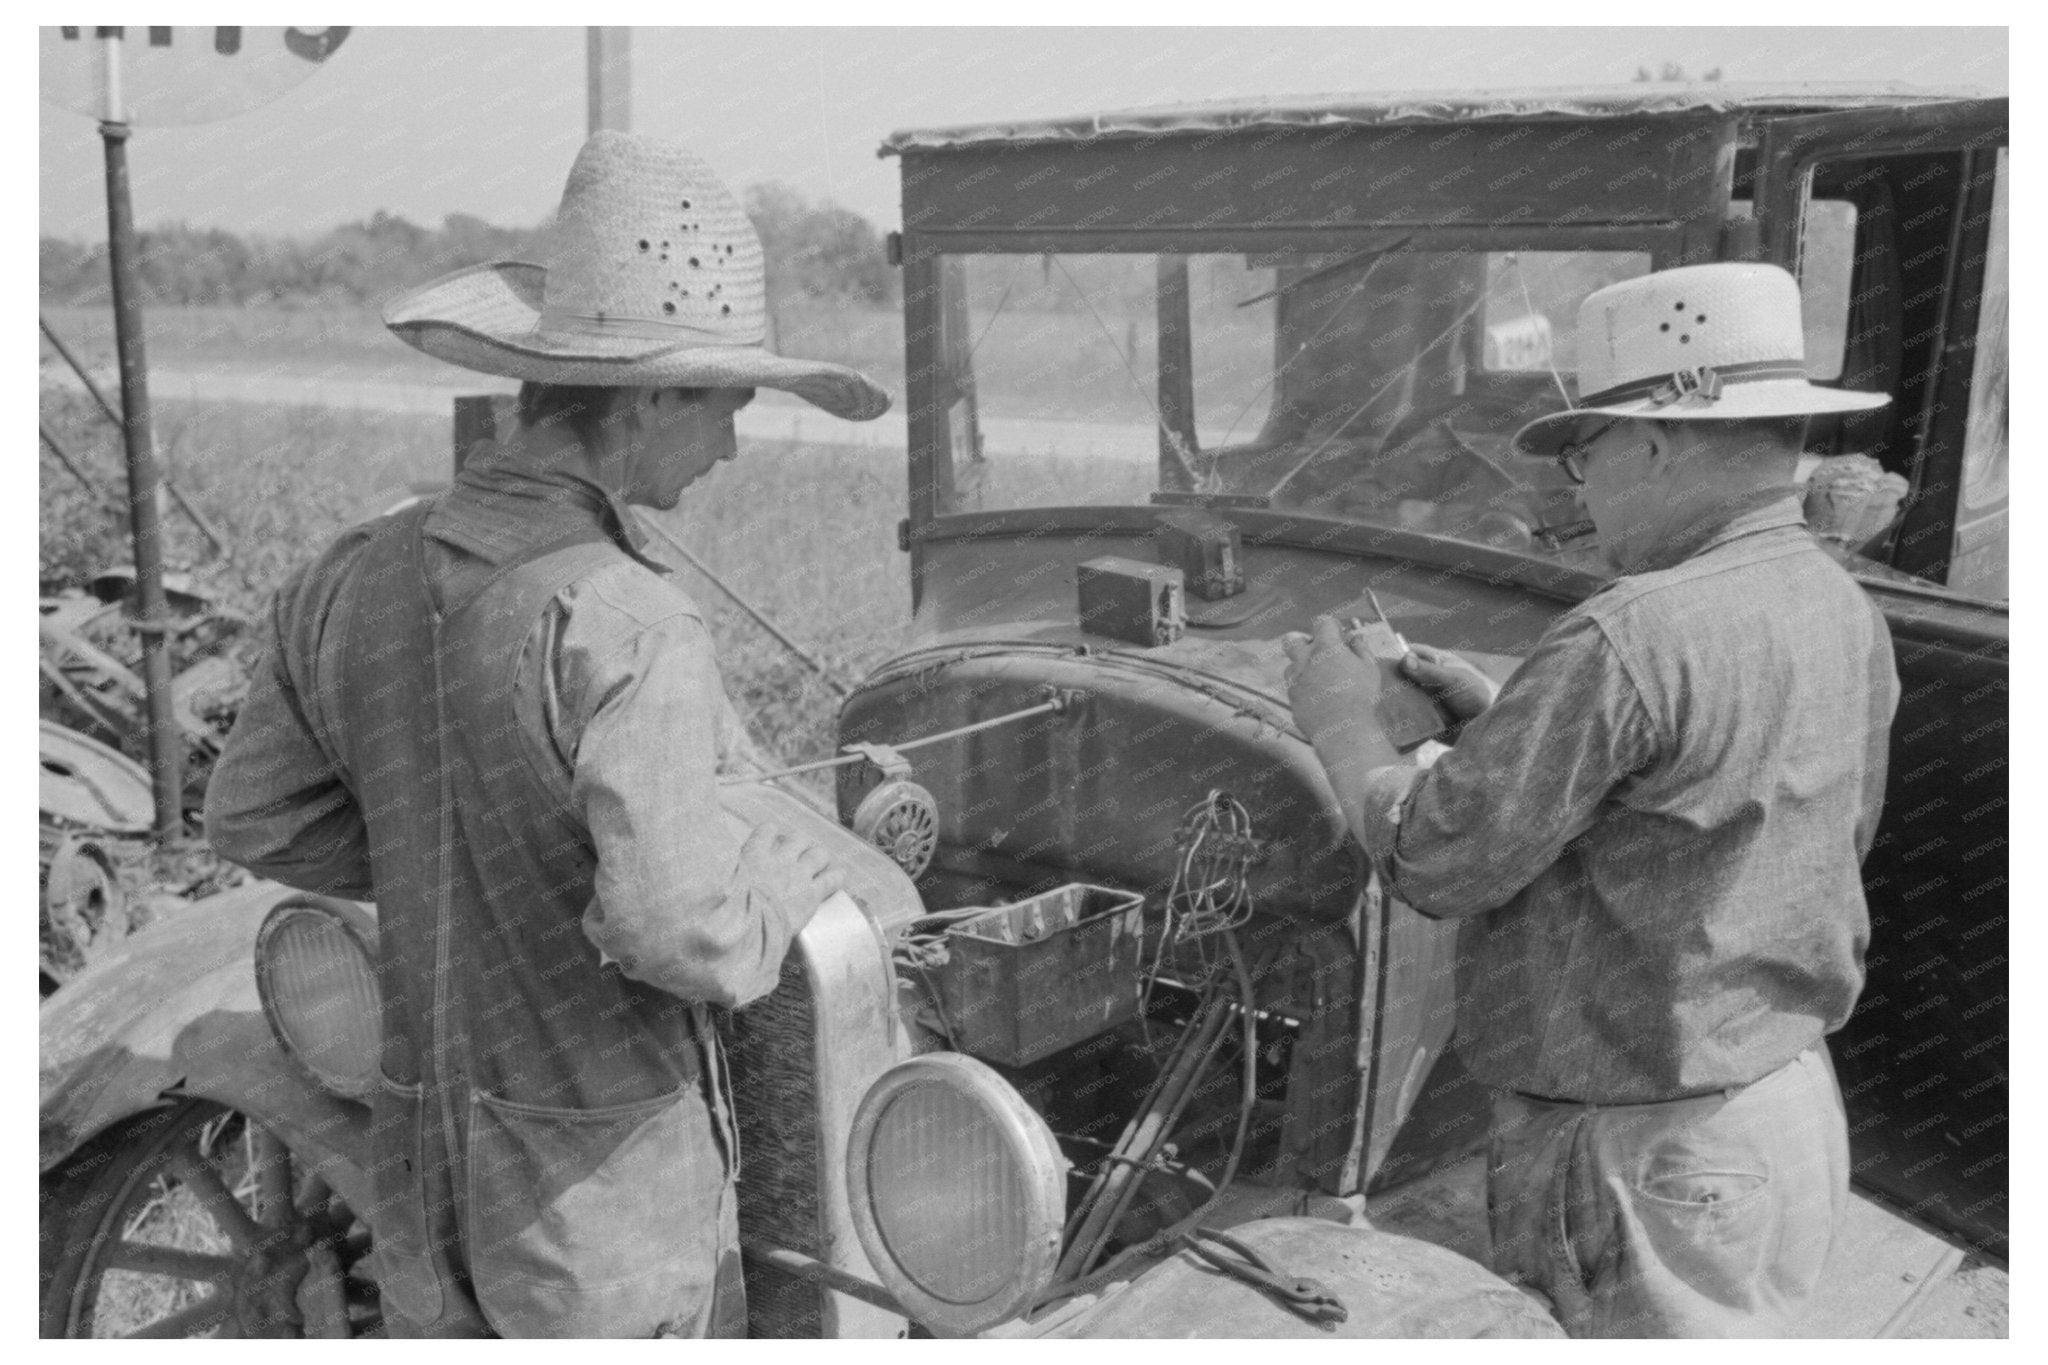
x,y
180,75
1523,344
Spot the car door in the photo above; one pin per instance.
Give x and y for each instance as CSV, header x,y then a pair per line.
x,y
1923,1061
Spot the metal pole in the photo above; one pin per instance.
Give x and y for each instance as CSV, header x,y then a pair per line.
x,y
609,57
818,1272
152,619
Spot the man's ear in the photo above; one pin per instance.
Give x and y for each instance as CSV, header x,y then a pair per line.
x,y
631,412
1663,451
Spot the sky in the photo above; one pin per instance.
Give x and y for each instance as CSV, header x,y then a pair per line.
x,y
424,122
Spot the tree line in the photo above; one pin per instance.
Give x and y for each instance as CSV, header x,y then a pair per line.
x,y
818,251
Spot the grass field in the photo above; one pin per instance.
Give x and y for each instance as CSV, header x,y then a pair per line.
x,y
1041,363
806,532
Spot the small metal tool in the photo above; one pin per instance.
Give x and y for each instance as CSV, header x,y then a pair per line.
x,y
1408,714
1378,636
1309,1298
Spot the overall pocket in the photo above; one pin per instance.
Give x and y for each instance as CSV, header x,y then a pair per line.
x,y
593,1222
406,1281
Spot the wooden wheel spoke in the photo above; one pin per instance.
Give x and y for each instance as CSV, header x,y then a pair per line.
x,y
206,1185
213,1311
149,1259
273,1178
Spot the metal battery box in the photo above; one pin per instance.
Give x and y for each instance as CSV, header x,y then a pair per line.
x,y
1025,980
1128,599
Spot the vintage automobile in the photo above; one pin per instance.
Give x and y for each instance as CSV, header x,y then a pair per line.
x,y
1115,1035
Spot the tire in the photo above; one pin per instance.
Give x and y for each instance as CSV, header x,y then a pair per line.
x,y
196,1221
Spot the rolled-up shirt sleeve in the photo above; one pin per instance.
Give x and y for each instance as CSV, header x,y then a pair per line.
x,y
642,723
1525,778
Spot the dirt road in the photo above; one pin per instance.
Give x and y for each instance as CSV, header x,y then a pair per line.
x,y
772,416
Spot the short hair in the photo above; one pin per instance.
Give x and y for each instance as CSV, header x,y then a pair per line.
x,y
1751,438
581,407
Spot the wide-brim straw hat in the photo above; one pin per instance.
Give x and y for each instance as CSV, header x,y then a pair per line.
x,y
653,278
1702,343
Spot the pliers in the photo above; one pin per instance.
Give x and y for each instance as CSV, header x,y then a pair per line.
x,y
1312,1299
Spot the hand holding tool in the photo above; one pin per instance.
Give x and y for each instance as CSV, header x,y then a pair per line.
x,y
1408,714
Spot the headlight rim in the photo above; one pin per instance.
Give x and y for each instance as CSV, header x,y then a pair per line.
x,y
360,930
1036,1159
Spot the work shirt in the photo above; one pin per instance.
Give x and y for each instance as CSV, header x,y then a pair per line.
x,y
495,717
603,673
1657,828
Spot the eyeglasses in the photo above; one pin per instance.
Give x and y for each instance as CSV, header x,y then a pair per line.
x,y
1573,455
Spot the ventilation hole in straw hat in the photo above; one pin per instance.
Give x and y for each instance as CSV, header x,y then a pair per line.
x,y
668,307
643,244
1684,338
1679,306
725,309
1663,326
693,263
1701,318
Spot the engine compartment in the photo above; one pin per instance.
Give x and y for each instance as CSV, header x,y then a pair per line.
x,y
1258,1015
1276,1018
1097,791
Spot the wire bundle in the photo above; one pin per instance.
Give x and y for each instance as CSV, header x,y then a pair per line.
x,y
923,947
1211,888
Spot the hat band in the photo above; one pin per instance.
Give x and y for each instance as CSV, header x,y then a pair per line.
x,y
1701,383
555,319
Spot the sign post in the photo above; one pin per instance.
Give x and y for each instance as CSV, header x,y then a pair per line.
x,y
191,82
152,617
609,56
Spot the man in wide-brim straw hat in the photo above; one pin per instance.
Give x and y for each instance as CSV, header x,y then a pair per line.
x,y
1656,829
494,715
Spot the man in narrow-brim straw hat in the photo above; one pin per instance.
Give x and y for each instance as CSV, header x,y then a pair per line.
x,y
494,715
1654,831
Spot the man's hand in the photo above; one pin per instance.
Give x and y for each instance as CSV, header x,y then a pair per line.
x,y
1462,688
1333,691
791,868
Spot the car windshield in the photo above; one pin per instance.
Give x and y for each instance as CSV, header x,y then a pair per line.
x,y
1378,386
1381,386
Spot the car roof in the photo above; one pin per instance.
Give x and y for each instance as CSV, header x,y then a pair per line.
x,y
1636,100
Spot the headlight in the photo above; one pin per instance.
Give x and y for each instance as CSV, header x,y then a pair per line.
x,y
958,1192
316,974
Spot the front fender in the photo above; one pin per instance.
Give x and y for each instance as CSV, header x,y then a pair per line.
x,y
1389,1285
172,1012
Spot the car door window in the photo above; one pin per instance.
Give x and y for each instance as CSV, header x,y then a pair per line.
x,y
1979,564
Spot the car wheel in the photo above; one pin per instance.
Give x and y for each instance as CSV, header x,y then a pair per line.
x,y
196,1221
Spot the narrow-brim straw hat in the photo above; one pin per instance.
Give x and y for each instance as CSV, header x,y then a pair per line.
x,y
1702,343
653,278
